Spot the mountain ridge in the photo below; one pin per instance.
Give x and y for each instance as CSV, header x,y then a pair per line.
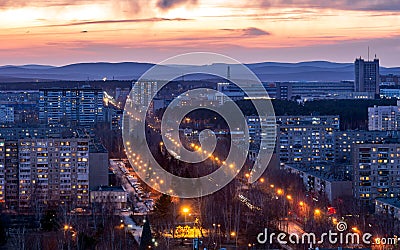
x,y
266,71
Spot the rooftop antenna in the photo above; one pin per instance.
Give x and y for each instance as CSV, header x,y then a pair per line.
x,y
368,53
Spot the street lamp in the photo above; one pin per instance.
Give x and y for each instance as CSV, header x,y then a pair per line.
x,y
233,234
185,211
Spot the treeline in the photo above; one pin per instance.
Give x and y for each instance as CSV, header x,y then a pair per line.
x,y
353,113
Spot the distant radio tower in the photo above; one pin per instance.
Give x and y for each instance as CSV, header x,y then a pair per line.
x,y
228,74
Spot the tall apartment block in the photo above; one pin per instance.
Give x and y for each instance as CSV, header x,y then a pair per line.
x,y
143,92
36,173
367,77
376,171
82,106
11,173
345,141
262,130
2,173
384,118
6,114
306,139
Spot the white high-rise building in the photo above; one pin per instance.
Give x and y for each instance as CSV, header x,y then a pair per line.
x,y
6,114
384,118
143,92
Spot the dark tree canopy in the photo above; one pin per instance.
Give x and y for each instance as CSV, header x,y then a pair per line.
x,y
146,238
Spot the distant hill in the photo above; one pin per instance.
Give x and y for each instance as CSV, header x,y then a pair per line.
x,y
266,71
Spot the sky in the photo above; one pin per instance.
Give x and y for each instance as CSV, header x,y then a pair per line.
x,y
61,32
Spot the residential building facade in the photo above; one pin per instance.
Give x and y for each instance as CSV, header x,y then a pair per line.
x,y
376,170
367,78
37,173
82,106
110,197
306,139
388,206
384,118
345,140
322,183
6,114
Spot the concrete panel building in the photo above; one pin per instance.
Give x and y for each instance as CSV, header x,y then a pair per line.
x,y
323,183
376,170
367,78
82,106
306,139
98,166
384,118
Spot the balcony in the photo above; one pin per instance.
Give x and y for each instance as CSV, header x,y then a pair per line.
x,y
383,185
382,167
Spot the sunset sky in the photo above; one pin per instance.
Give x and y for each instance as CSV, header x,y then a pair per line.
x,y
61,32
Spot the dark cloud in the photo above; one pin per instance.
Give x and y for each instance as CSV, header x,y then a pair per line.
x,y
254,32
371,5
140,20
251,31
168,4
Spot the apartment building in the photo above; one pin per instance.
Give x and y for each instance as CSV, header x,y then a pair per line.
x,y
376,170
367,78
384,118
345,140
82,106
306,139
36,173
322,183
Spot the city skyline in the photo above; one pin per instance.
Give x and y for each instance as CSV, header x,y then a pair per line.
x,y
199,124
150,31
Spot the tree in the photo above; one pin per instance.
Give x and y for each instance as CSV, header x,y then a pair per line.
x,y
49,221
3,236
163,207
145,241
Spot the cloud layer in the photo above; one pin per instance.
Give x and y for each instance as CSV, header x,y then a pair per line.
x,y
371,5
168,4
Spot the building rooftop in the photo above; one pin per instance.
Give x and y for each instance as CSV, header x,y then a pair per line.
x,y
111,188
390,201
38,131
97,148
81,88
324,175
392,138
